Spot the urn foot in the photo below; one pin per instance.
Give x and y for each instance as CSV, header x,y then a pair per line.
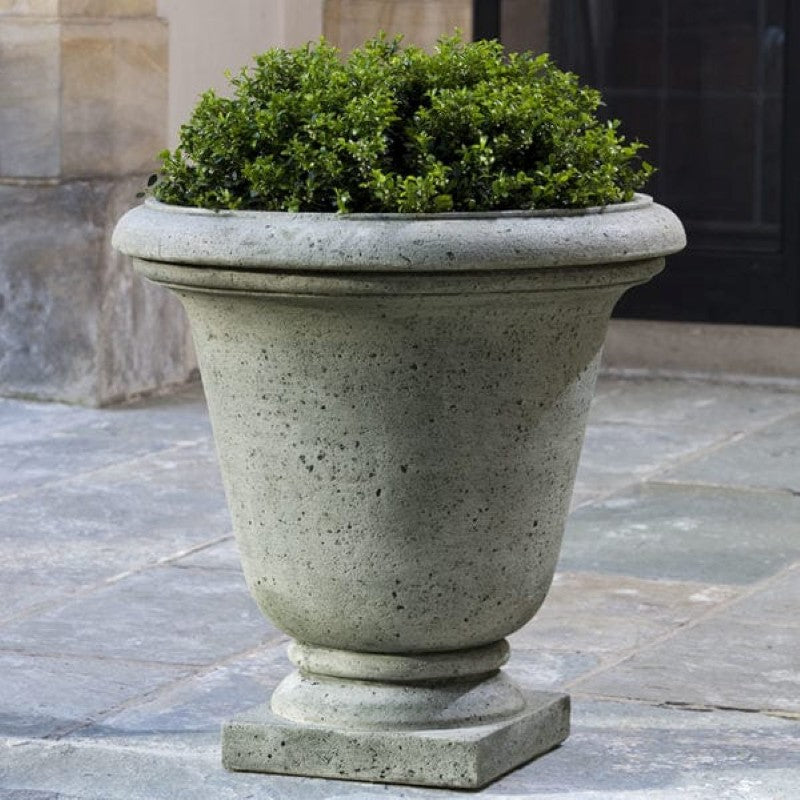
x,y
443,719
467,757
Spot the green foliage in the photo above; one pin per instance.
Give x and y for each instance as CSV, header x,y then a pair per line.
x,y
467,128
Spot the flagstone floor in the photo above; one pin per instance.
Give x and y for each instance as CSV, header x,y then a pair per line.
x,y
127,633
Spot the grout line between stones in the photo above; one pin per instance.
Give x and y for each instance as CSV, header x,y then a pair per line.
x,y
680,461
732,488
97,657
783,385
65,481
169,686
735,438
713,611
755,427
676,705
83,591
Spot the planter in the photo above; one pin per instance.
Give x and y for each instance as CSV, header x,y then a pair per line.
x,y
398,404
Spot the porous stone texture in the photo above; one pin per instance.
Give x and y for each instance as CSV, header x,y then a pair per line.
x,y
467,757
417,455
403,668
533,242
414,691
399,403
82,113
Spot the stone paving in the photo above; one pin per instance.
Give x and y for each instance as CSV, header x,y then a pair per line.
x,y
127,634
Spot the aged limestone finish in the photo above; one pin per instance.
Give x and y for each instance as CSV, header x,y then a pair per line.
x,y
399,403
347,23
83,108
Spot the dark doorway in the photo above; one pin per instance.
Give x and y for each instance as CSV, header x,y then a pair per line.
x,y
713,86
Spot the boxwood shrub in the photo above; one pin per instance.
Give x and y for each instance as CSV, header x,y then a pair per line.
x,y
468,127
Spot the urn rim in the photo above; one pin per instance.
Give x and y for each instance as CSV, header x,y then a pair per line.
x,y
400,243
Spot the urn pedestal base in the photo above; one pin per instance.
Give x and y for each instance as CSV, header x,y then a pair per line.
x,y
467,757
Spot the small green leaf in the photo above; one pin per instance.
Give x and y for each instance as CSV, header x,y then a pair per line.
x,y
393,128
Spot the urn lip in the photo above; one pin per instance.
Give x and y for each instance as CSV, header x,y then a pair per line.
x,y
639,201
446,242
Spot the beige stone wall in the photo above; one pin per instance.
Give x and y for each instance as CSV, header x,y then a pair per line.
x,y
208,37
79,95
347,23
78,8
88,92
83,109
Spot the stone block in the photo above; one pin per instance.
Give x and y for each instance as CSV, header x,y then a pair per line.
x,y
725,408
29,101
29,8
88,529
62,454
77,324
113,96
766,459
87,495
224,555
20,596
164,614
107,8
729,660
202,703
615,455
610,615
47,695
464,757
57,441
50,283
777,603
685,533
81,97
347,23
20,421
78,8
640,752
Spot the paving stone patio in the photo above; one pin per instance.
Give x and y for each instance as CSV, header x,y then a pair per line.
x,y
127,634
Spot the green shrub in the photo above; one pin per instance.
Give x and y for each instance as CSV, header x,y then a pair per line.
x,y
467,128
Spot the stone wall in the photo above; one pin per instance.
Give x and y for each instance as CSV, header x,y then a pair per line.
x,y
347,23
83,105
208,37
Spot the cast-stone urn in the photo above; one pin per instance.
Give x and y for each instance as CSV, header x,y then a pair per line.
x,y
398,403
